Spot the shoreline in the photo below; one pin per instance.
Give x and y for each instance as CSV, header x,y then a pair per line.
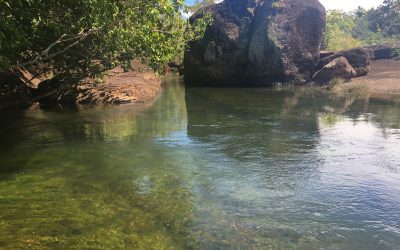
x,y
383,79
141,85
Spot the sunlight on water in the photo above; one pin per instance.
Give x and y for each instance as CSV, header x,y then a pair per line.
x,y
204,169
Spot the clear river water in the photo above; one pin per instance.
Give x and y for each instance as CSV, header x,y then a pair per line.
x,y
204,168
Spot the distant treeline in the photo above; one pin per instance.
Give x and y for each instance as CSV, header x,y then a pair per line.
x,y
380,25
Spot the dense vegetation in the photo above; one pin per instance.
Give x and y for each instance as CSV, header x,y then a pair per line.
x,y
84,37
364,27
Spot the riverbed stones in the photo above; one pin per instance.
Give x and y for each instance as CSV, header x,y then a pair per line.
x,y
257,43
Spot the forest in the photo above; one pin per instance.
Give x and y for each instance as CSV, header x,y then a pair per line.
x,y
362,27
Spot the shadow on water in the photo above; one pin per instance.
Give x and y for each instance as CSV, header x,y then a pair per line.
x,y
202,168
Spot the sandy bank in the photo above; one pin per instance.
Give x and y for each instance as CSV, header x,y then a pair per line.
x,y
383,79
137,85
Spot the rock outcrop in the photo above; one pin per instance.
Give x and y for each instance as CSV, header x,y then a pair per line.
x,y
359,59
379,52
325,53
337,68
257,42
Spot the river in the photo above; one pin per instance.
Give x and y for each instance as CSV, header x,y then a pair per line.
x,y
204,168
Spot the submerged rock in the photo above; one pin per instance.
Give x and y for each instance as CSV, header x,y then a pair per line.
x,y
257,43
337,68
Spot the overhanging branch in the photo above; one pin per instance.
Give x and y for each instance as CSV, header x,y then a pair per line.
x,y
45,54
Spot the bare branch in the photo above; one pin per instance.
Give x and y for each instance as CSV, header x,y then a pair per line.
x,y
44,55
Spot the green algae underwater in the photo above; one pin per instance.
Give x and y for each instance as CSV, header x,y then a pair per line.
x,y
203,168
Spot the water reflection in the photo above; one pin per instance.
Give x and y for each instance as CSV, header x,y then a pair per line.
x,y
204,169
274,167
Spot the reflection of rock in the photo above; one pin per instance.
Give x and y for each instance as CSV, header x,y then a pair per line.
x,y
337,68
257,42
260,131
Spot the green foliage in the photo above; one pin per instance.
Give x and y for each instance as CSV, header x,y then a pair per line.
x,y
364,27
338,33
85,37
386,18
396,52
198,4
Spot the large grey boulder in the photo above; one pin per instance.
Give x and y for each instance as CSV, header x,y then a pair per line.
x,y
221,56
286,40
257,43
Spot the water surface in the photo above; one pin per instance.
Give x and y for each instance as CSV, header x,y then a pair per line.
x,y
204,169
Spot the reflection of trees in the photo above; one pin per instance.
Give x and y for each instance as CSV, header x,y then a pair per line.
x,y
114,123
78,192
382,112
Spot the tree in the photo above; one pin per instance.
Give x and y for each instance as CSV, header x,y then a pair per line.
x,y
362,30
79,38
199,4
364,27
386,18
338,34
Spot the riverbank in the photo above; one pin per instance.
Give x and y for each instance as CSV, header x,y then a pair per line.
x,y
384,78
140,84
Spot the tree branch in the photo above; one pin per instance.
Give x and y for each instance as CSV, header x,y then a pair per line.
x,y
44,55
